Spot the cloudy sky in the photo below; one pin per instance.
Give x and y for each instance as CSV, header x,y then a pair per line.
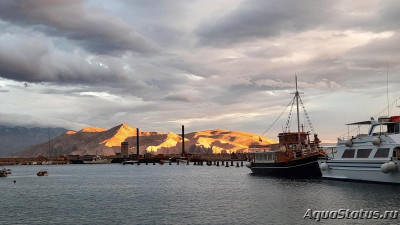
x,y
226,64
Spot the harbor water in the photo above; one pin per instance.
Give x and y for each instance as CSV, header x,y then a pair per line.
x,y
179,194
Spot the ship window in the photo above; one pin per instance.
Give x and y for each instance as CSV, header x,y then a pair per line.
x,y
382,153
348,153
393,128
363,153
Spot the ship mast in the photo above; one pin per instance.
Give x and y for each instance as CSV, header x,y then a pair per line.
x,y
298,114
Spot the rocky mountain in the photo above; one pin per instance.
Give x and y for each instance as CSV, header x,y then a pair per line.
x,y
16,139
94,140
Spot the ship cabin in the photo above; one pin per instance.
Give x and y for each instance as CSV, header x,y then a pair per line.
x,y
291,140
289,148
382,142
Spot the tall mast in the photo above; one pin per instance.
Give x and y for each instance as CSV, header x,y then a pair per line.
x,y
298,114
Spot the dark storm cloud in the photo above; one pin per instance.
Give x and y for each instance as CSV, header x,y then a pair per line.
x,y
176,98
92,28
263,19
37,63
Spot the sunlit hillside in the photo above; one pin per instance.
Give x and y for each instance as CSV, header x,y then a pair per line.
x,y
94,140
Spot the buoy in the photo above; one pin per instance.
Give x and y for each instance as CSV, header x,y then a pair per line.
x,y
161,162
376,141
248,164
324,166
349,143
391,166
384,168
15,181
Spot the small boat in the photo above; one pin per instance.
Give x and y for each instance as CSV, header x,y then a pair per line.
x,y
371,157
94,159
296,154
4,173
182,160
131,162
42,173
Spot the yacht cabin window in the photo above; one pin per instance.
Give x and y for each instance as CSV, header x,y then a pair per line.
x,y
348,153
382,153
363,153
393,128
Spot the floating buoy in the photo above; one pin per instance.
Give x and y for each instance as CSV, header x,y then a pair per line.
x,y
324,166
248,164
15,181
161,162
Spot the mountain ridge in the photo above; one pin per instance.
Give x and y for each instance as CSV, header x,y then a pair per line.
x,y
96,140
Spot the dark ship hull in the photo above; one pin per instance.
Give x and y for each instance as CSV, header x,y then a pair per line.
x,y
306,167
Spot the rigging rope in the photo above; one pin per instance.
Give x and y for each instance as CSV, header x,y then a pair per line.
x,y
278,117
307,117
289,120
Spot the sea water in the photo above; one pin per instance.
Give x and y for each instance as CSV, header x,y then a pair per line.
x,y
179,194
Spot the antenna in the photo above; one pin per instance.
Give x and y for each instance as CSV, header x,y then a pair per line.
x,y
387,84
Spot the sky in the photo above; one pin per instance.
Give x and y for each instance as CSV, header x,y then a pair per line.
x,y
226,64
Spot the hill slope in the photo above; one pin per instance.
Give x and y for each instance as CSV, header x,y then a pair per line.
x,y
16,139
95,140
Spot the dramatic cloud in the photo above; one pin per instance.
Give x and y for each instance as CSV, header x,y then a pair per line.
x,y
90,27
223,64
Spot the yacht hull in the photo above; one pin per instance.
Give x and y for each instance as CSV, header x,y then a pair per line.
x,y
359,171
302,168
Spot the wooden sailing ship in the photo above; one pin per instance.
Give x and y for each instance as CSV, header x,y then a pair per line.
x,y
296,154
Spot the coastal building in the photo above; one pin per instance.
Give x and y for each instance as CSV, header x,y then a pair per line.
x,y
124,149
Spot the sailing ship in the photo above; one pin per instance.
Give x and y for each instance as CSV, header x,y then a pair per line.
x,y
296,154
371,157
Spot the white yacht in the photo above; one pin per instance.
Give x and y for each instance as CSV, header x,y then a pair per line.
x,y
372,157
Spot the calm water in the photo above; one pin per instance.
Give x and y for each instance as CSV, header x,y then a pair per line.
x,y
178,194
